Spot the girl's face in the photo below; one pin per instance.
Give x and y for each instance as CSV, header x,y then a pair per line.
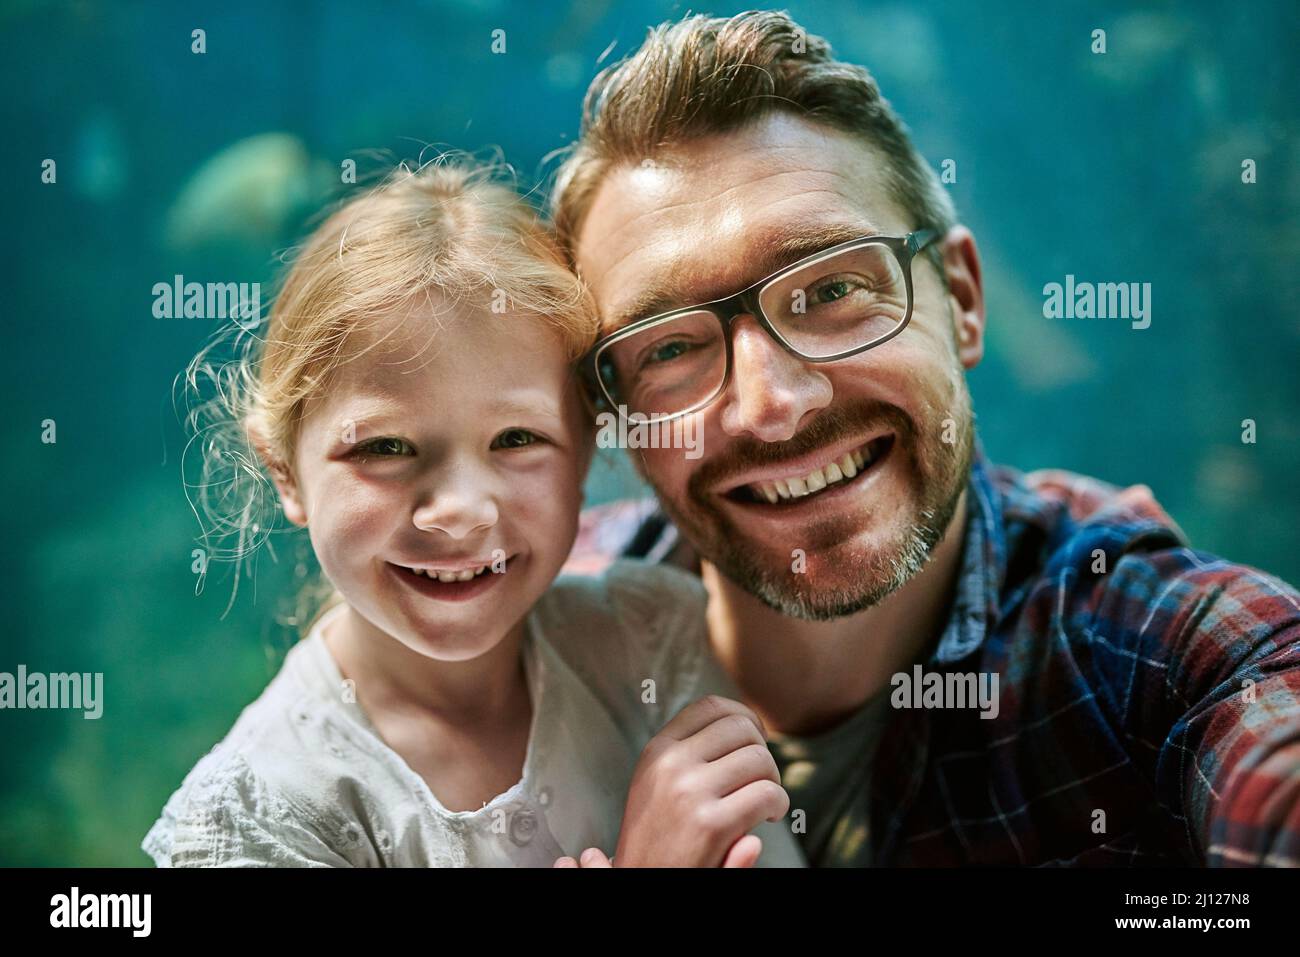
x,y
440,475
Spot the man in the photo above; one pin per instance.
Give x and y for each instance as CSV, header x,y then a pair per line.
x,y
956,663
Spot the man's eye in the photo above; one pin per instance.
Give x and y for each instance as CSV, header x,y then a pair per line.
x,y
514,439
667,351
834,290
385,446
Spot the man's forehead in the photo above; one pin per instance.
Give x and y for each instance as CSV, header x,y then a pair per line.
x,y
726,211
702,274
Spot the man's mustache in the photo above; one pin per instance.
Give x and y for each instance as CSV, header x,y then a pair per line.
x,y
832,425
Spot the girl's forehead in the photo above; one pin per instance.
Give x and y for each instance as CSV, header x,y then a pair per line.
x,y
431,324
456,358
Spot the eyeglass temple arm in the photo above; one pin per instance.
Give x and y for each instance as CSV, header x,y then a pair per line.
x,y
920,239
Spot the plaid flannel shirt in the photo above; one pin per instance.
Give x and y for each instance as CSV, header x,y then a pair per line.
x,y
1149,693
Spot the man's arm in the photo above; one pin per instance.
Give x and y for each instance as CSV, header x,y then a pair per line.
x,y
1249,809
1230,764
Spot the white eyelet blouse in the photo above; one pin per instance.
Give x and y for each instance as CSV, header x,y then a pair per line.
x,y
304,779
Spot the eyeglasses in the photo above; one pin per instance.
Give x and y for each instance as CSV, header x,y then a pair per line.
x,y
828,306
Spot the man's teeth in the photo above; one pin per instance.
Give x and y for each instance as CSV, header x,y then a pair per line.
x,y
849,465
449,576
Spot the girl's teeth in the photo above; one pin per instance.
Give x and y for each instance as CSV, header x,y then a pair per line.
x,y
451,576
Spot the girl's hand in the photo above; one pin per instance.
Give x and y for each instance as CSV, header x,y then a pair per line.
x,y
701,785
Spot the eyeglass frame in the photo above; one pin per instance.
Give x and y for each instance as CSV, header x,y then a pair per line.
x,y
748,302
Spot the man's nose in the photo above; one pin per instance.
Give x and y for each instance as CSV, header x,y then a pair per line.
x,y
460,503
770,390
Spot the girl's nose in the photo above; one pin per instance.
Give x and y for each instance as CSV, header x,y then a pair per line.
x,y
461,504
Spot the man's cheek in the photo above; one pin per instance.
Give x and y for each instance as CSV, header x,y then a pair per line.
x,y
666,470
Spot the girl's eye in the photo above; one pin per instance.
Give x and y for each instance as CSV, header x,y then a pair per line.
x,y
386,445
514,439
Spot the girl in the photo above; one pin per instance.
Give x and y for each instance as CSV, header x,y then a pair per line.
x,y
413,403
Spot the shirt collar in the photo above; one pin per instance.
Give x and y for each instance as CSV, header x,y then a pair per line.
x,y
975,605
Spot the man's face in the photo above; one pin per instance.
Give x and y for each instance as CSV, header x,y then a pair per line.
x,y
707,221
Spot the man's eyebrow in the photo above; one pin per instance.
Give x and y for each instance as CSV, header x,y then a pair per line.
x,y
778,250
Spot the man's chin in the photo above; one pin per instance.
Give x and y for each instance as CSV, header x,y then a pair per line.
x,y
834,581
839,561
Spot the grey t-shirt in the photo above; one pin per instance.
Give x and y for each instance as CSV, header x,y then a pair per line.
x,y
828,776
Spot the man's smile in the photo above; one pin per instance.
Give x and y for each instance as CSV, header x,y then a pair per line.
x,y
814,475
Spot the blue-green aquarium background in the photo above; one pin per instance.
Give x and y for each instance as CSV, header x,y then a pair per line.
x,y
1123,166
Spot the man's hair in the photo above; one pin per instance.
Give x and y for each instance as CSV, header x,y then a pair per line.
x,y
707,75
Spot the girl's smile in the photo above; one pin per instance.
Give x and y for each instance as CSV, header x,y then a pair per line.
x,y
451,583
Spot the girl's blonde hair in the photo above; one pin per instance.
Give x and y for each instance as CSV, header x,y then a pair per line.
x,y
449,227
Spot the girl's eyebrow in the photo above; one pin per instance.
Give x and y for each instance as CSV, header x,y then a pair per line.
x,y
366,409
527,403
370,413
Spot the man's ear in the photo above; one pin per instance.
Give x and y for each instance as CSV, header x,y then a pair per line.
x,y
961,260
286,486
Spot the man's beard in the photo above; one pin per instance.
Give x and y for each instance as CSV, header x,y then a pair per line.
x,y
941,470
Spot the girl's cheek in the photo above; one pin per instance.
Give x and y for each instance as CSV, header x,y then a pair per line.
x,y
550,492
347,507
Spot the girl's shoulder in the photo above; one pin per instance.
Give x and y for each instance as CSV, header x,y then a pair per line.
x,y
229,813
284,718
633,634
268,794
648,590
651,606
